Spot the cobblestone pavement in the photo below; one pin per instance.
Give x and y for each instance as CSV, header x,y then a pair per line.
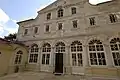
x,y
40,76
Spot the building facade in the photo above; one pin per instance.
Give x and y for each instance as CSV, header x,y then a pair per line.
x,y
74,37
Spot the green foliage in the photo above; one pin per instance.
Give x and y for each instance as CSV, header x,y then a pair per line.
x,y
10,37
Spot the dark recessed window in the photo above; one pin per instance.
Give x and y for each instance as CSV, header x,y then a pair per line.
x,y
18,57
74,24
60,13
0,52
48,16
60,26
73,9
26,31
92,20
47,28
36,30
113,18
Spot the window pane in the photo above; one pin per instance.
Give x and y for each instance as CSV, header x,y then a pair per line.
x,y
91,48
43,59
93,58
47,58
35,58
80,63
74,63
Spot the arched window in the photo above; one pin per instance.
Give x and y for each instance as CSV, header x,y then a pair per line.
x,y
76,50
18,57
60,12
60,47
96,52
34,54
115,47
46,50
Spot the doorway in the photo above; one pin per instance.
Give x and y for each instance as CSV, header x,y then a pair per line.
x,y
59,63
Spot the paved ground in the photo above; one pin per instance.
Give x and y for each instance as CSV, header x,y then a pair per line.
x,y
40,76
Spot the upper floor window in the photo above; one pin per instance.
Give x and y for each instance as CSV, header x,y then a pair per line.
x,y
60,25
92,21
75,24
36,30
73,9
47,28
60,13
26,31
48,16
113,18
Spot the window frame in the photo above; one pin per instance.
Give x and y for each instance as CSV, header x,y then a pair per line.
x,y
113,18
73,10
60,26
60,13
47,28
77,51
46,50
35,52
18,57
60,47
92,21
26,32
35,30
48,16
96,52
115,51
73,24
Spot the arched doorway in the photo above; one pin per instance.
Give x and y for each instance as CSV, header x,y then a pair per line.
x,y
59,49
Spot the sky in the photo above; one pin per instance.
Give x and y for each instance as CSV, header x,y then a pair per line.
x,y
12,11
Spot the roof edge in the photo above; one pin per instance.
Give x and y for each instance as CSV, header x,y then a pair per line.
x,y
25,21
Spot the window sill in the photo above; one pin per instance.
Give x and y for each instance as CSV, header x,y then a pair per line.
x,y
74,29
24,35
32,63
36,33
46,32
113,23
91,27
98,66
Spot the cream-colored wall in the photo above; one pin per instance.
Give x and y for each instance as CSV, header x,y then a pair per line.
x,y
7,58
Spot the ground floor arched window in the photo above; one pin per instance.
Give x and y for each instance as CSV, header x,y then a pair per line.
x,y
115,49
18,57
33,54
77,50
46,51
96,52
